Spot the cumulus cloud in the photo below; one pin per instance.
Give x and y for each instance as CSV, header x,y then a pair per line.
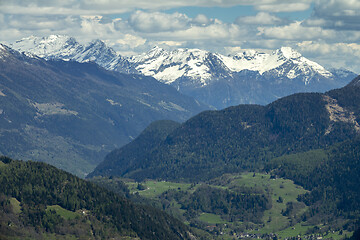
x,y
131,40
201,19
261,18
214,31
296,31
158,22
284,7
336,14
335,55
86,7
148,25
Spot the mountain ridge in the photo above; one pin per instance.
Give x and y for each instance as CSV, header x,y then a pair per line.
x,y
72,113
43,193
212,78
245,137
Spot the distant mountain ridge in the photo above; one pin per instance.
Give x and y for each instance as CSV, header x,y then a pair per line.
x,y
215,79
241,138
72,114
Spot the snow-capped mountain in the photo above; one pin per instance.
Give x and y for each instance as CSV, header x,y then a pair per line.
x,y
66,48
202,67
246,77
197,65
57,111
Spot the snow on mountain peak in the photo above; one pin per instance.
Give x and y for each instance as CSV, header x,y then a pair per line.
x,y
53,46
155,52
288,52
169,66
67,48
199,66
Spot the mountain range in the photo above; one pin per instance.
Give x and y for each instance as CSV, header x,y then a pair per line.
x,y
72,114
215,79
239,138
311,139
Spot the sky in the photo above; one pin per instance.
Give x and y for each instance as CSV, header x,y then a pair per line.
x,y
325,31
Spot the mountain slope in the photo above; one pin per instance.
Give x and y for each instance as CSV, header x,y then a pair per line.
x,y
150,138
71,114
331,176
246,137
212,78
51,201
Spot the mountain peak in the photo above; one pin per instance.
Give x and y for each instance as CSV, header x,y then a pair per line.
x,y
52,46
288,52
156,51
98,42
3,51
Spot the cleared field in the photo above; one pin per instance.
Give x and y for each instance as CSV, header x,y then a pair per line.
x,y
16,205
155,188
66,214
281,191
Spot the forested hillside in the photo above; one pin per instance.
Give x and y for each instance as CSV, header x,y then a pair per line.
x,y
331,175
244,137
39,201
72,114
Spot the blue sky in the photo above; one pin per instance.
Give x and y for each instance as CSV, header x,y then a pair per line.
x,y
325,31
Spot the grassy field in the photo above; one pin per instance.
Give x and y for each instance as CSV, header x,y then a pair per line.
x,y
156,188
281,188
16,205
281,191
66,214
211,218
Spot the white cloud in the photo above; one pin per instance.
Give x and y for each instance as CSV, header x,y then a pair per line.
x,y
216,31
330,35
86,7
201,19
158,22
336,14
335,55
131,40
296,31
261,18
284,7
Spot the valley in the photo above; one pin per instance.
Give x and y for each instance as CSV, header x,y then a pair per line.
x,y
283,218
180,120
159,163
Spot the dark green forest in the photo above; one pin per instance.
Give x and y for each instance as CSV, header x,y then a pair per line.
x,y
236,139
241,205
102,213
331,175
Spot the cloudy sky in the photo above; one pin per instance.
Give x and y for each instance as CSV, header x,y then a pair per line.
x,y
326,31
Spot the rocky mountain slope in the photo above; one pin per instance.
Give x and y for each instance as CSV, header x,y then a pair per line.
x,y
71,114
215,79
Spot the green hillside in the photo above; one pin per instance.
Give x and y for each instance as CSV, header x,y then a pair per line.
x,y
39,201
331,175
240,138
